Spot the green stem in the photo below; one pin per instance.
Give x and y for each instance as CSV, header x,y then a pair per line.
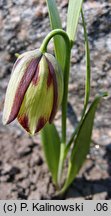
x,y
43,49
87,84
64,111
61,162
50,35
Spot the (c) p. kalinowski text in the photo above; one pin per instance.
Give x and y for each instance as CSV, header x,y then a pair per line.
x,y
51,207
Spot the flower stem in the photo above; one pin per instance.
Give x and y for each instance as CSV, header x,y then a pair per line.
x,y
66,64
43,49
50,35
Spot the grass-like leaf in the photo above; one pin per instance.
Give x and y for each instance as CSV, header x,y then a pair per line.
x,y
87,82
55,22
74,9
82,143
51,145
88,70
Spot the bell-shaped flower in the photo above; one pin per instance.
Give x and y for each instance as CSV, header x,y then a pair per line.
x,y
34,92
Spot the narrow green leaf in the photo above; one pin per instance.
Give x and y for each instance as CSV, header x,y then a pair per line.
x,y
88,70
74,9
54,14
82,143
51,145
55,22
87,83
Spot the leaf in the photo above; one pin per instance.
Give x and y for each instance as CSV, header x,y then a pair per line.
x,y
87,84
74,9
88,70
82,143
51,145
55,22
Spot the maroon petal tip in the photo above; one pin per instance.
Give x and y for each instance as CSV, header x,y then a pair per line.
x,y
23,120
41,124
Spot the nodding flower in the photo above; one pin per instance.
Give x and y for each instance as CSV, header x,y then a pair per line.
x,y
34,92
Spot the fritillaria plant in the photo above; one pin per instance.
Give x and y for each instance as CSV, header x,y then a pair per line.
x,y
39,85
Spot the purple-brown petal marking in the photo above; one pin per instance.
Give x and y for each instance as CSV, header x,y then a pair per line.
x,y
41,123
23,120
22,88
55,96
35,79
49,79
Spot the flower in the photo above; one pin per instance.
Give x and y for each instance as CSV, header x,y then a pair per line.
x,y
34,92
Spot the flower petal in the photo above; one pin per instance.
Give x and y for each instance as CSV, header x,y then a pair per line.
x,y
23,120
18,84
41,122
38,100
55,97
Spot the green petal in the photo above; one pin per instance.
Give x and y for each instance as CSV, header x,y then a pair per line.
x,y
38,100
14,93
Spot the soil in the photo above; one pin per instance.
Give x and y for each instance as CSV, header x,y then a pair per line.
x,y
23,171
